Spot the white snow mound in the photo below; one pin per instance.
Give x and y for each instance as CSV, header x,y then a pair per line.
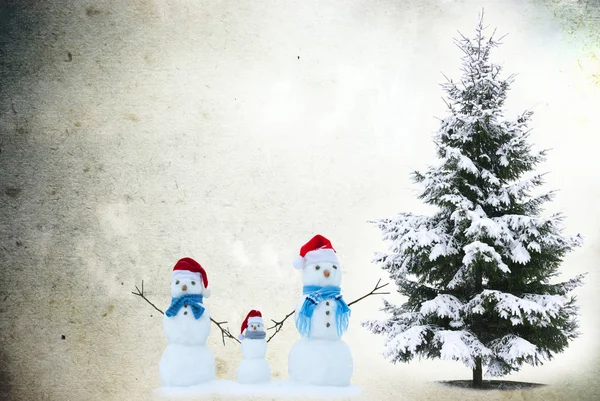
x,y
273,388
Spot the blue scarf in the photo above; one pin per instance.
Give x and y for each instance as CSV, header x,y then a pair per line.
x,y
315,296
194,301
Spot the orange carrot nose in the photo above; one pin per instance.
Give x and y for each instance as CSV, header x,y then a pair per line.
x,y
326,273
184,287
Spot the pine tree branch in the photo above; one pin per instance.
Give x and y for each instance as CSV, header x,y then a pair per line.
x,y
278,325
491,38
224,330
500,39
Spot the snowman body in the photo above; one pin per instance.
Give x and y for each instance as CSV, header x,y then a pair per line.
x,y
321,357
185,329
253,367
186,361
323,322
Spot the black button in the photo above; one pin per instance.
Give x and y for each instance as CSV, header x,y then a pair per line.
x,y
185,306
328,325
327,303
185,313
327,313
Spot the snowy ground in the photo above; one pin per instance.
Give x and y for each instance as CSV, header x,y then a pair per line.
x,y
274,388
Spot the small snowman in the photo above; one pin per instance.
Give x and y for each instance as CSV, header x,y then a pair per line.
x,y
187,361
253,368
320,357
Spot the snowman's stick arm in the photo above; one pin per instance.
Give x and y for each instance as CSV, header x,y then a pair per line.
x,y
140,293
278,325
224,331
373,292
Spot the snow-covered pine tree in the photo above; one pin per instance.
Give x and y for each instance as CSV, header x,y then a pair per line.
x,y
477,273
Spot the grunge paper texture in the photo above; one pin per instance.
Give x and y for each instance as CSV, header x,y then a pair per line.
x,y
136,133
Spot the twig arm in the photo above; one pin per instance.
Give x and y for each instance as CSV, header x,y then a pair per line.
x,y
373,292
140,293
225,333
278,325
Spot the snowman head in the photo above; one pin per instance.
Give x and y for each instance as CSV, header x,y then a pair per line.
x,y
322,274
189,278
252,322
185,285
319,263
256,325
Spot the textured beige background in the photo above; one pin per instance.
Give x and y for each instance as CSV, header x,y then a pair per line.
x,y
232,131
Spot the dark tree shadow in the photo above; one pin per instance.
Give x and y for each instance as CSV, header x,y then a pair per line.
x,y
491,385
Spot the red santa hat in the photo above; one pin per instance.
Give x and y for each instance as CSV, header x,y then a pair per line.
x,y
253,316
318,249
188,268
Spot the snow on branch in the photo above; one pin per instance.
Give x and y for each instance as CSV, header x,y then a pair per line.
x,y
478,250
536,309
401,320
460,346
517,191
406,342
515,235
463,162
552,303
444,305
516,350
409,232
567,286
462,275
457,200
481,225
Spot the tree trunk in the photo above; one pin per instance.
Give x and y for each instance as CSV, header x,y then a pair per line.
x,y
477,373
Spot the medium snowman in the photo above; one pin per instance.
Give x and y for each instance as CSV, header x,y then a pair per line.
x,y
253,368
320,357
187,361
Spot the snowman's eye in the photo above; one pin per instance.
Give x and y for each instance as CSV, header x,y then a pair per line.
x,y
177,282
193,283
317,267
334,266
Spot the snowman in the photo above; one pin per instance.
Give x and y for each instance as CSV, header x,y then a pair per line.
x,y
320,357
187,361
253,368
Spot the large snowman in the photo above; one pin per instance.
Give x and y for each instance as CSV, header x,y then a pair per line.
x,y
320,357
187,361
